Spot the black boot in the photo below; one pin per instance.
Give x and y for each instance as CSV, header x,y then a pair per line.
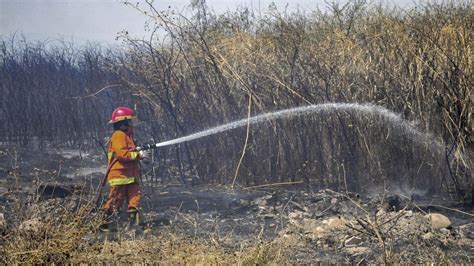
x,y
108,221
105,228
133,217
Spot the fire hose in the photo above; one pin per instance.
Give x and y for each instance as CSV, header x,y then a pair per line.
x,y
104,180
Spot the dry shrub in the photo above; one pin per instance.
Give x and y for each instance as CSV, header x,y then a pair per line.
x,y
201,72
51,231
43,84
414,62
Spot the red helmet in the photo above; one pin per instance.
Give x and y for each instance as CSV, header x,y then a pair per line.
x,y
122,113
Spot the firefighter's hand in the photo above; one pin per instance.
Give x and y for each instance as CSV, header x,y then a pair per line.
x,y
144,154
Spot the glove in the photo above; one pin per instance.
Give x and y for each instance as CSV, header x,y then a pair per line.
x,y
144,154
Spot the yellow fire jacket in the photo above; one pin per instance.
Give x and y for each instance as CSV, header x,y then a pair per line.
x,y
125,169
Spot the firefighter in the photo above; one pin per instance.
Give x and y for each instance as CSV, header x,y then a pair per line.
x,y
123,162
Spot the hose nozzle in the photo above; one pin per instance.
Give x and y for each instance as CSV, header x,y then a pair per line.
x,y
146,147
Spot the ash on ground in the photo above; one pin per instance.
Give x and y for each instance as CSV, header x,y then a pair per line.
x,y
322,226
307,226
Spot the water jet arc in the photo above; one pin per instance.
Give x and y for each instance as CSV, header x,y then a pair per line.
x,y
304,110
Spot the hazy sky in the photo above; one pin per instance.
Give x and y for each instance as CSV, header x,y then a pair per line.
x,y
101,20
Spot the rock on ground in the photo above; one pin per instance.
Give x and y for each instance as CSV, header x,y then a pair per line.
x,y
31,226
438,221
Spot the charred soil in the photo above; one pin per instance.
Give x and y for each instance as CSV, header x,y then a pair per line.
x,y
48,217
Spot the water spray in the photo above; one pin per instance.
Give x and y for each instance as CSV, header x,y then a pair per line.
x,y
304,110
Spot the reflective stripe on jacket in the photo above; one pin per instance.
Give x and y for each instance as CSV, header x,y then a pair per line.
x,y
119,181
125,170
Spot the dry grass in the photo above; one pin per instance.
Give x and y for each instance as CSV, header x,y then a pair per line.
x,y
69,244
177,248
60,231
47,232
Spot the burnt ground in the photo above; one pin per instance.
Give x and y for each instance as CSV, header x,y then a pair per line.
x,y
305,226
